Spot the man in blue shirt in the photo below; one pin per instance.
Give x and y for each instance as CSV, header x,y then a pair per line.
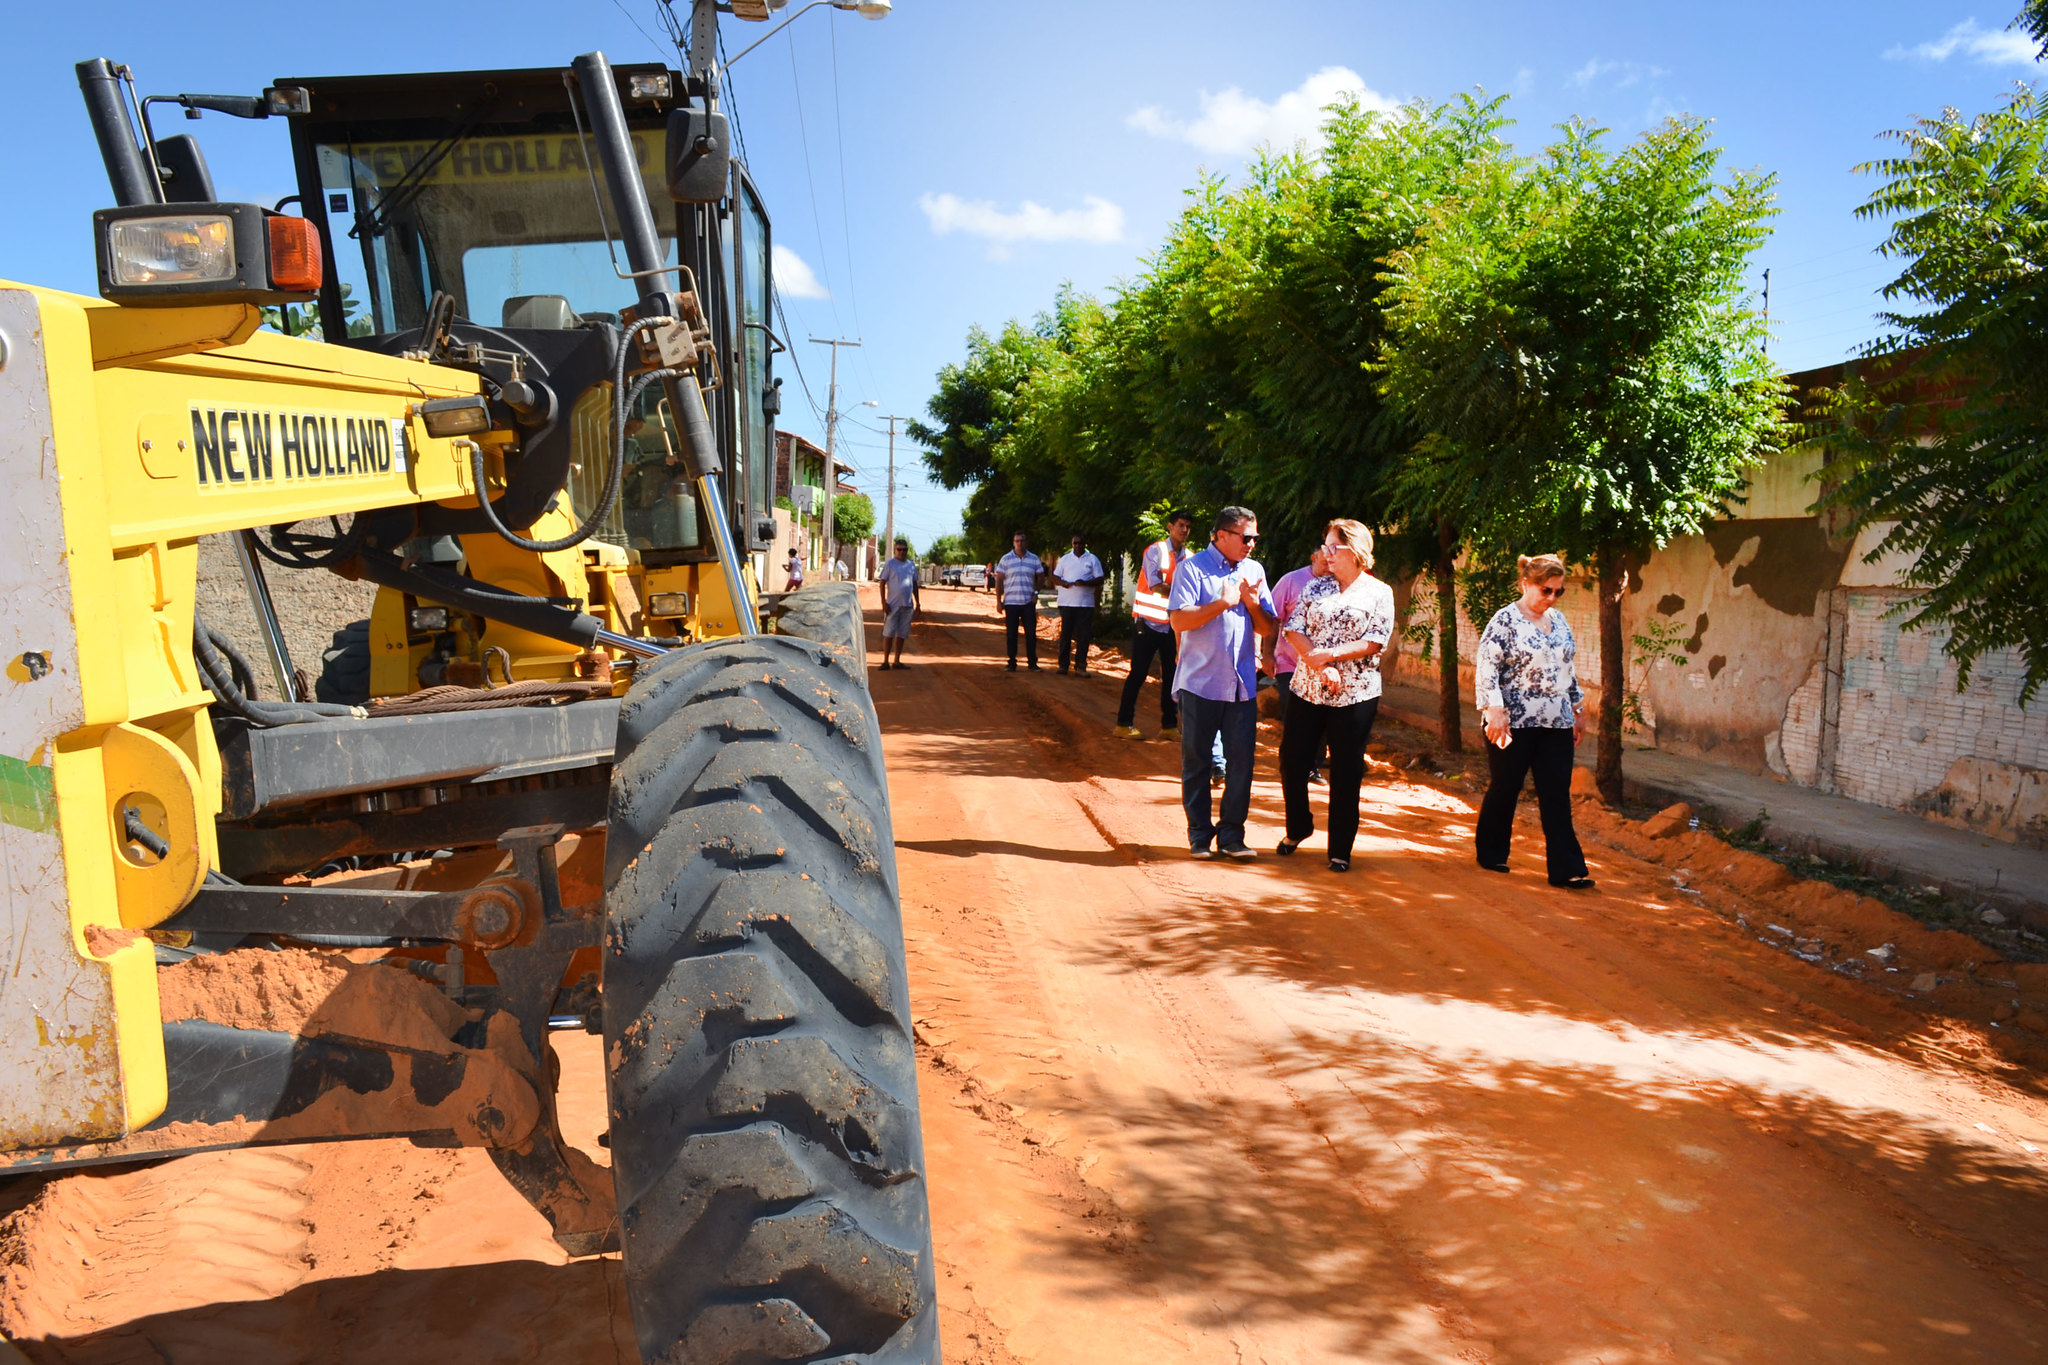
x,y
1219,608
1018,575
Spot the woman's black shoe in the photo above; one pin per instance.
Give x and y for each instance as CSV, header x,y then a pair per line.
x,y
1340,864
1285,848
1576,884
1495,867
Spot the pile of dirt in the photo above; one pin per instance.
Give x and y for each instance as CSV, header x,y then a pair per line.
x,y
1939,970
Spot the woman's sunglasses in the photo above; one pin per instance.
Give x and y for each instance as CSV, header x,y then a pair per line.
x,y
1552,592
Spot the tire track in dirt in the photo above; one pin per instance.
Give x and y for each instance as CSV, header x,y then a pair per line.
x,y
1611,1125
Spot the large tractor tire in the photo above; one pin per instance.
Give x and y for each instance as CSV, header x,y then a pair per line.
x,y
345,667
830,614
763,1090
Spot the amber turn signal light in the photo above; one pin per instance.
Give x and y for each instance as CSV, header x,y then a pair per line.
x,y
294,255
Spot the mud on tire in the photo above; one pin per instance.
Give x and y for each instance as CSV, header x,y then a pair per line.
x,y
763,1092
830,614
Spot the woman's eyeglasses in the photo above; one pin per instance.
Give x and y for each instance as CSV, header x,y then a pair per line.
x,y
1552,592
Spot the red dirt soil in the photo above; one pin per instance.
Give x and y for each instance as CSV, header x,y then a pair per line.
x,y
1190,1111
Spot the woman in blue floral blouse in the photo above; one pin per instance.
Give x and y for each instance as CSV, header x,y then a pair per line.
x,y
1529,694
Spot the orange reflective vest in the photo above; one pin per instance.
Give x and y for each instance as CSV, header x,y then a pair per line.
x,y
1151,606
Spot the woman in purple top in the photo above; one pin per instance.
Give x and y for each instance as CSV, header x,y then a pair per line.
x,y
1286,592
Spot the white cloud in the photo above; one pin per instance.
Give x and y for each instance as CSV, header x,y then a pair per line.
x,y
1989,47
794,276
1234,123
1625,74
1097,220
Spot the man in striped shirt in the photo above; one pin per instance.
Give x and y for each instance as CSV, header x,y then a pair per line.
x,y
1018,577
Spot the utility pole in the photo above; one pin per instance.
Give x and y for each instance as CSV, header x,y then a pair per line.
x,y
1767,310
889,526
831,441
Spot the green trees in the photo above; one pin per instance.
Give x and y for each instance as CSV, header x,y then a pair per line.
x,y
1575,338
1947,435
1469,350
853,518
948,550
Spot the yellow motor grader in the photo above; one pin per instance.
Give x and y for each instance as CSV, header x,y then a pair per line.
x,y
573,771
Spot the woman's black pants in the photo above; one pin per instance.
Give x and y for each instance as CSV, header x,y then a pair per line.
x,y
1548,754
1308,728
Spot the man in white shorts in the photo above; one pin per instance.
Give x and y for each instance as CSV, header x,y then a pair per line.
x,y
899,602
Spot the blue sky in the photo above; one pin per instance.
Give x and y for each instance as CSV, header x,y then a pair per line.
x,y
956,162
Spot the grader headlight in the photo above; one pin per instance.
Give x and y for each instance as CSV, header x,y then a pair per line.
x,y
163,255
187,249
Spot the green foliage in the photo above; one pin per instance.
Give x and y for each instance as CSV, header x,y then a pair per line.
x,y
1234,369
1656,643
2033,19
853,518
1489,579
1419,633
303,320
948,550
1576,337
1945,431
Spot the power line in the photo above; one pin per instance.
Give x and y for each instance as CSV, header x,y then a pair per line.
x,y
811,177
620,5
845,207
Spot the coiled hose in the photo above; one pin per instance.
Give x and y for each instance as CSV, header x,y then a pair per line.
x,y
218,675
615,477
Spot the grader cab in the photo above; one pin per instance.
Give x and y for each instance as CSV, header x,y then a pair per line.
x,y
572,772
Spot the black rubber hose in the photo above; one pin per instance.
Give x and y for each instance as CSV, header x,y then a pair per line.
x,y
243,675
615,477
219,678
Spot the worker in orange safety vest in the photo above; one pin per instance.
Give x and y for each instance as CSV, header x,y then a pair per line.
x,y
1151,635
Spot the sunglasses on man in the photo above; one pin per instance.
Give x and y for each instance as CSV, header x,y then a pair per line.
x,y
1252,539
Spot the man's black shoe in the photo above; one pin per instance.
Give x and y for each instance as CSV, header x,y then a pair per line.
x,y
1012,668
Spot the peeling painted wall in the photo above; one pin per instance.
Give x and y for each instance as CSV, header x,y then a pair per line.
x,y
1796,664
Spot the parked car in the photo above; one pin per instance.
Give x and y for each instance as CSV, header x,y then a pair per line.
x,y
973,576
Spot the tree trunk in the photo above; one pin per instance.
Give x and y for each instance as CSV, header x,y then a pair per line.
x,y
1613,672
1449,726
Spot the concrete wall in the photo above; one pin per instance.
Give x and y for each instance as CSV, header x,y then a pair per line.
x,y
1796,664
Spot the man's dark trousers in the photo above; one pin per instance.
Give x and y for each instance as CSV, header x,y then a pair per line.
x,y
1202,719
1077,628
1146,643
1021,617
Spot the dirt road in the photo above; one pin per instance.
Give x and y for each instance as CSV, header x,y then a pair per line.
x,y
1190,1111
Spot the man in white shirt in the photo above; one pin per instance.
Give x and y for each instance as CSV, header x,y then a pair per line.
x,y
899,602
1079,575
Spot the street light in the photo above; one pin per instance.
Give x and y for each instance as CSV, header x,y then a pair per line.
x,y
866,9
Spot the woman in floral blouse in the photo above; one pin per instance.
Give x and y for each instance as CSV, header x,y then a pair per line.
x,y
1338,627
1529,694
